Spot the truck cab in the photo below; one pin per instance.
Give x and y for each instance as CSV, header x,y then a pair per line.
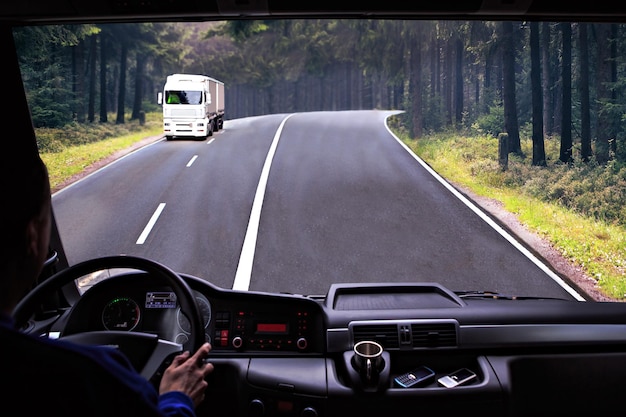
x,y
190,106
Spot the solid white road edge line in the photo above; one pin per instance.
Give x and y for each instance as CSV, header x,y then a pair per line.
x,y
490,221
244,269
150,225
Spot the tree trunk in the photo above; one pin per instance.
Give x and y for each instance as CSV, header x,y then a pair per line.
x,y
78,86
139,80
415,72
585,111
435,80
434,68
458,93
91,108
508,88
566,78
489,94
121,96
539,153
613,61
447,82
603,72
103,80
548,113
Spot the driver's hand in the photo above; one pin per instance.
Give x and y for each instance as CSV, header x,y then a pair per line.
x,y
187,373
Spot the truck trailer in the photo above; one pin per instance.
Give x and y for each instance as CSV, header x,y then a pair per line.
x,y
193,106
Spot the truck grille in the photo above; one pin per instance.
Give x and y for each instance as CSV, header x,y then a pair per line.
x,y
183,112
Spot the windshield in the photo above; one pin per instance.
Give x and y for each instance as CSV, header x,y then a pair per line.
x,y
481,155
183,97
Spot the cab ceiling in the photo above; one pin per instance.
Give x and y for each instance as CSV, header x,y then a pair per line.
x,y
67,11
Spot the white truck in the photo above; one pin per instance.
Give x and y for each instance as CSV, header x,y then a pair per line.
x,y
193,106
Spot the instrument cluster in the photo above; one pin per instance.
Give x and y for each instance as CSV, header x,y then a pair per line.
x,y
234,322
156,312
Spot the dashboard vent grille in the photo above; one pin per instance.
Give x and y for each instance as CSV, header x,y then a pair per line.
x,y
408,335
385,334
433,335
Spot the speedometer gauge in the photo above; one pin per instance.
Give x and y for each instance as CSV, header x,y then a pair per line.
x,y
121,314
205,310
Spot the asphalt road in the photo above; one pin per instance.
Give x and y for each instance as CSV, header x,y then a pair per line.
x,y
293,203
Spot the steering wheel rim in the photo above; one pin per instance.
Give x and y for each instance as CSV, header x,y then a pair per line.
x,y
163,349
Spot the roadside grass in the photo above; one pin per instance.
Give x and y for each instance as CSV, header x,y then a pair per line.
x,y
578,208
70,150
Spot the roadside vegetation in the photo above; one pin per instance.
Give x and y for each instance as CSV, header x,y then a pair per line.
x,y
578,207
70,150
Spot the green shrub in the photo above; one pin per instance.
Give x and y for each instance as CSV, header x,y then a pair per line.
x,y
71,134
491,123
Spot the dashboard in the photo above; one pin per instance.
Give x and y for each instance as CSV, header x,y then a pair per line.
x,y
233,322
292,355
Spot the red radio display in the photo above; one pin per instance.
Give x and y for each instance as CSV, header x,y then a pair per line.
x,y
276,328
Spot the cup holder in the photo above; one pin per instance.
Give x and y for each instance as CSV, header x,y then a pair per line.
x,y
368,366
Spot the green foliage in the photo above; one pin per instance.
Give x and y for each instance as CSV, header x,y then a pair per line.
x,y
43,55
71,161
587,188
150,106
50,113
335,63
434,120
491,123
55,140
242,29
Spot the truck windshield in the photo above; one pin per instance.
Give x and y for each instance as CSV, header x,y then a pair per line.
x,y
183,97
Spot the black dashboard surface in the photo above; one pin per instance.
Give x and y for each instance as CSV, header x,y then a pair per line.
x,y
283,354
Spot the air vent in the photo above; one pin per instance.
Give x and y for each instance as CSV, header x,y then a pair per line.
x,y
405,335
385,334
433,335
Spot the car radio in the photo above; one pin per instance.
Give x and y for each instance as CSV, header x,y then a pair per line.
x,y
263,331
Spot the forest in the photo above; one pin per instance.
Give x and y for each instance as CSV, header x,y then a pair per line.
x,y
529,79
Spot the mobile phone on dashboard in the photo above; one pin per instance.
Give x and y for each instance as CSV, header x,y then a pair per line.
x,y
458,377
419,376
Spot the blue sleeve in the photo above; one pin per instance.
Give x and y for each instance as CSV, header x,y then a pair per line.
x,y
176,403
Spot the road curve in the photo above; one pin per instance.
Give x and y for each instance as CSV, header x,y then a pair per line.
x,y
338,199
346,203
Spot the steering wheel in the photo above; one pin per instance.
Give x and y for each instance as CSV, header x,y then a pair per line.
x,y
146,352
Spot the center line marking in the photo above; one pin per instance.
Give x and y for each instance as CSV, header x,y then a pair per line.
x,y
191,161
209,142
244,269
150,225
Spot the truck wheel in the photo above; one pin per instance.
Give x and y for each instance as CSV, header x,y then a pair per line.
x,y
168,137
